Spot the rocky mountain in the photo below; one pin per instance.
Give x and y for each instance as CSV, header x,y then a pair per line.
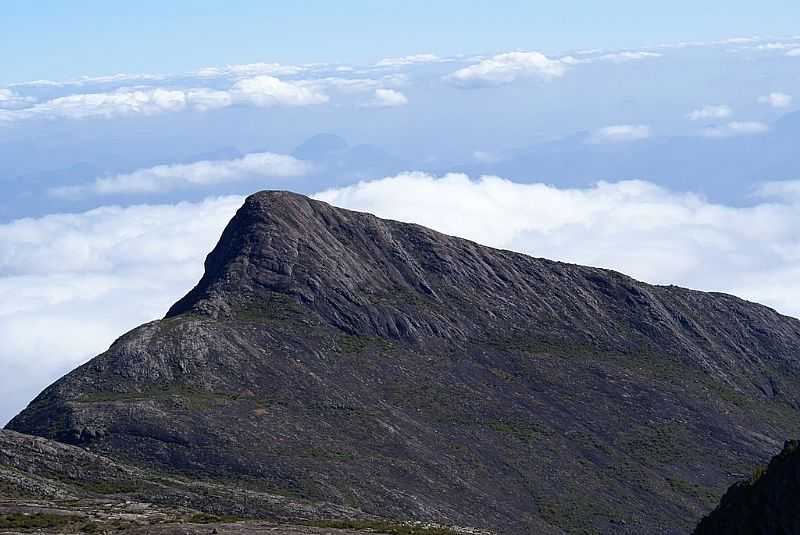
x,y
332,357
767,504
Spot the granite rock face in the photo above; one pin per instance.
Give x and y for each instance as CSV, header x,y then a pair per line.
x,y
333,356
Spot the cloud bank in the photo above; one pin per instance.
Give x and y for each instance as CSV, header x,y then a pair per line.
x,y
776,100
261,91
72,283
736,128
620,134
506,68
164,178
9,100
388,98
721,111
409,60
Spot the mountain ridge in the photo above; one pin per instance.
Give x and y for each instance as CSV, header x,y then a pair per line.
x,y
340,357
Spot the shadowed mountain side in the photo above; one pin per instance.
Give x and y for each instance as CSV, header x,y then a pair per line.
x,y
767,504
334,356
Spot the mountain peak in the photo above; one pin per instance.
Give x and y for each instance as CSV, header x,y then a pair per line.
x,y
342,358
371,276
328,259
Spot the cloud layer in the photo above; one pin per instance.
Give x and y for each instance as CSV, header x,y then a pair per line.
x,y
721,111
506,68
163,178
776,100
620,133
388,98
261,91
736,128
70,284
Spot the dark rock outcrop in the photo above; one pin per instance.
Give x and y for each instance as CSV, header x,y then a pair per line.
x,y
333,356
767,504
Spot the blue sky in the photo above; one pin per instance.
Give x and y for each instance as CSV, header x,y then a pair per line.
x,y
57,39
658,139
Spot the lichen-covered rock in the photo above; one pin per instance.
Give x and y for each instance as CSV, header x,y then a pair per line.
x,y
336,357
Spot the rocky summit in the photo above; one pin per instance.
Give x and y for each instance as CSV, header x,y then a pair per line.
x,y
365,368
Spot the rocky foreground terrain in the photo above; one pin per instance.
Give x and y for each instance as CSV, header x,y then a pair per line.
x,y
333,365
766,504
47,486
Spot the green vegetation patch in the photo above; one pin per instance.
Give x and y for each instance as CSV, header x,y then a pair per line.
x,y
693,490
195,398
113,487
518,430
349,344
207,518
35,521
275,308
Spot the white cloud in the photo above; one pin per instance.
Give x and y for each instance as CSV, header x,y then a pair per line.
x,y
775,46
202,99
506,68
94,80
737,41
163,178
793,53
635,227
786,190
711,112
776,100
72,283
104,105
261,91
409,60
614,57
343,85
266,91
249,70
624,57
387,98
736,128
485,157
620,133
9,100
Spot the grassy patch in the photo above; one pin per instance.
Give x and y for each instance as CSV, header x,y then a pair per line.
x,y
518,430
35,521
275,308
194,398
207,518
698,492
349,344
112,487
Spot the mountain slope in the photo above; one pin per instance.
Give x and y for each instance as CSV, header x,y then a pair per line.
x,y
768,504
334,356
51,487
